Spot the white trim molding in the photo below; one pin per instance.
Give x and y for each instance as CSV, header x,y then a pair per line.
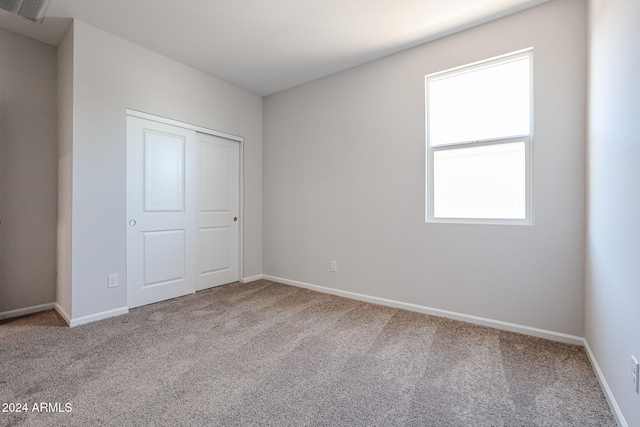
x,y
165,120
24,311
497,324
63,313
611,400
251,278
98,316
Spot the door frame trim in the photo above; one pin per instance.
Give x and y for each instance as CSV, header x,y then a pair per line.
x,y
232,137
184,125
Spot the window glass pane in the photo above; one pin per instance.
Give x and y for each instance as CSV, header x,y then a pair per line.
x,y
480,182
485,103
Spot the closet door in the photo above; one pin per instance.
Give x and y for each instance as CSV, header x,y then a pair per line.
x,y
182,211
161,199
217,211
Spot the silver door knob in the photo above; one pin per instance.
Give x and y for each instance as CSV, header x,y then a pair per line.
x,y
235,218
132,222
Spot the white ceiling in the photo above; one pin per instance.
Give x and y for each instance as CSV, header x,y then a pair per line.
x,y
266,46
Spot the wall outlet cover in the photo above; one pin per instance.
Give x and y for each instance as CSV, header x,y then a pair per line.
x,y
112,280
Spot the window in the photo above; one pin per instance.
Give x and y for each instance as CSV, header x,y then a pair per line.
x,y
479,138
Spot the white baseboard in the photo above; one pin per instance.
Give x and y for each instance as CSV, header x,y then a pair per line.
x,y
613,405
497,324
24,311
251,278
63,313
98,316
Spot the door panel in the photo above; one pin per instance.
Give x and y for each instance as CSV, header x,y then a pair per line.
x,y
164,180
164,256
217,260
214,249
161,231
215,177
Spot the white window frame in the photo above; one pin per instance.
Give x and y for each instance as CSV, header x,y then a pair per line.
x,y
528,142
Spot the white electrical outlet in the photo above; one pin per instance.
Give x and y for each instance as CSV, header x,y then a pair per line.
x,y
334,266
635,374
112,280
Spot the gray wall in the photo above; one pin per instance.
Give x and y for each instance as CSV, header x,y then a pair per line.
x,y
65,174
111,75
344,179
613,238
28,172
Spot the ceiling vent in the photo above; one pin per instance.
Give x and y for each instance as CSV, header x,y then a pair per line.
x,y
33,10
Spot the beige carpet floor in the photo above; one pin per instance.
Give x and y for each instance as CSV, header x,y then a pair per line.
x,y
264,353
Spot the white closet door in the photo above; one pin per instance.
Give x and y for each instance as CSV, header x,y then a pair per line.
x,y
217,211
183,193
161,199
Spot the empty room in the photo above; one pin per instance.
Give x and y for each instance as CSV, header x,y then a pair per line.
x,y
319,212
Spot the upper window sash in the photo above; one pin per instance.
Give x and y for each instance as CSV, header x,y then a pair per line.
x,y
489,97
